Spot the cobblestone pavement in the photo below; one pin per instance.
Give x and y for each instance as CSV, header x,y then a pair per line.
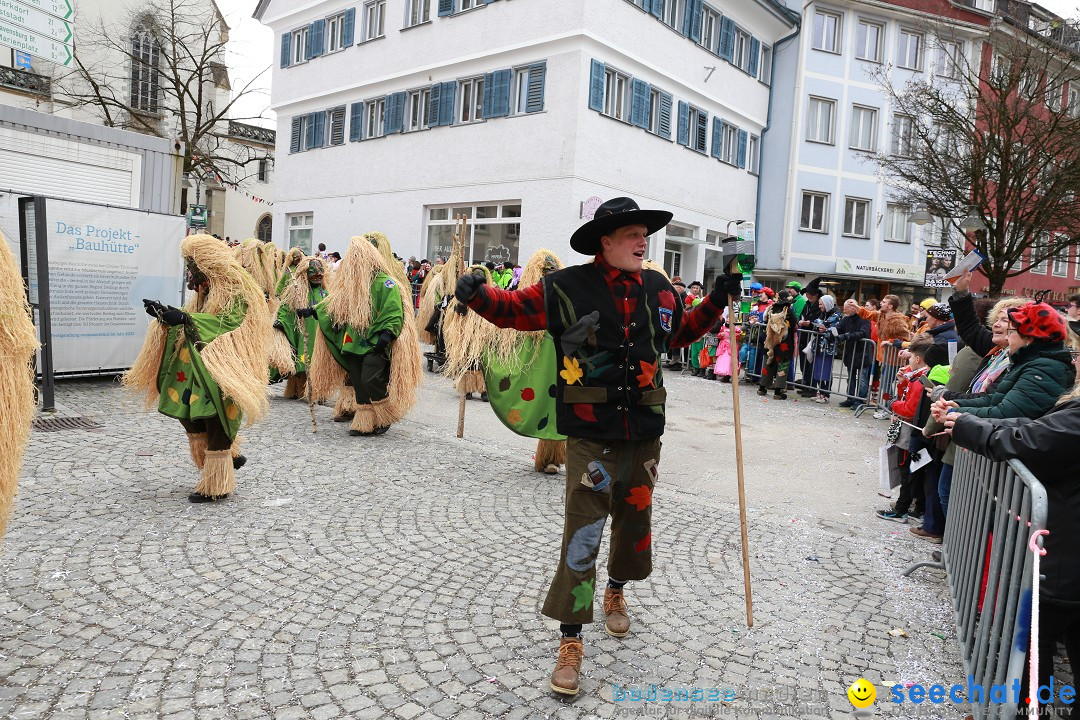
x,y
401,576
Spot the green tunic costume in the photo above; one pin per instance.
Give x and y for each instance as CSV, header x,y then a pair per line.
x,y
387,313
188,391
290,324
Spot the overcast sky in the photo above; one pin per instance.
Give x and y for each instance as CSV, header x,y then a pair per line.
x,y
252,51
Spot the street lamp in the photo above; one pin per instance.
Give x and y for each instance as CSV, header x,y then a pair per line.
x,y
973,222
921,216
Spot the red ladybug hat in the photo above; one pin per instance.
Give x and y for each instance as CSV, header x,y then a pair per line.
x,y
1038,321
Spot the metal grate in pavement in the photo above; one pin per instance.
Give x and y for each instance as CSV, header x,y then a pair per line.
x,y
54,424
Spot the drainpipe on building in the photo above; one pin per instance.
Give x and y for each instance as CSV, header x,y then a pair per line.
x,y
768,116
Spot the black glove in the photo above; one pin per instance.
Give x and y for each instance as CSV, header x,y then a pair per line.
x,y
153,308
726,286
174,316
467,286
279,326
306,312
385,338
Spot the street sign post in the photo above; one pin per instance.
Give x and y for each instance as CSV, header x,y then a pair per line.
x,y
41,28
28,18
34,44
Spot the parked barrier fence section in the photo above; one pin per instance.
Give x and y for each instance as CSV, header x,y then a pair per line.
x,y
993,510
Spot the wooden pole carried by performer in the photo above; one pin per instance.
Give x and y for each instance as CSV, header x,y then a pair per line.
x,y
459,252
734,342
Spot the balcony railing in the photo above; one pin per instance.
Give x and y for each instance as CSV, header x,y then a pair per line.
x,y
25,81
252,133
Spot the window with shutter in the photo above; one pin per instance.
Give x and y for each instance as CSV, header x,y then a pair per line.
x,y
317,38
684,124
664,116
446,103
337,125
755,55
472,100
320,129
417,106
717,137
395,113
497,93
446,7
297,133
701,136
374,19
639,103
727,39
348,29
417,12
356,121
743,136
537,79
309,135
286,49
374,115
597,74
335,33
299,44
434,99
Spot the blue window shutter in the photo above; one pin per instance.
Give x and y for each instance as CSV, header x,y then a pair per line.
x,y
446,107
717,137
702,132
294,141
537,78
684,124
286,49
596,86
755,53
664,130
497,94
395,113
356,120
446,7
318,37
639,103
743,138
727,39
349,31
657,8
694,10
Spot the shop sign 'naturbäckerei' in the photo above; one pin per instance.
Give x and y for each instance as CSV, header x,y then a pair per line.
x,y
877,269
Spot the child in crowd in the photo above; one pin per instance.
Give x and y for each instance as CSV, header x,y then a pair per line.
x,y
912,408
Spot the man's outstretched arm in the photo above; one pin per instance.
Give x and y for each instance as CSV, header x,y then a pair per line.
x,y
702,317
517,309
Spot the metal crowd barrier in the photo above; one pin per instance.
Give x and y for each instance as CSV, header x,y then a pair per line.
x,y
993,510
839,380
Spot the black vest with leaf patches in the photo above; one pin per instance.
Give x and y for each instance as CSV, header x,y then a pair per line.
x,y
611,387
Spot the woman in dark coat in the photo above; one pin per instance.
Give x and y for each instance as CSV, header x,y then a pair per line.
x,y
1047,446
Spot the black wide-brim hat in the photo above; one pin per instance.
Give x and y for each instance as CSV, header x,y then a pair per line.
x,y
612,215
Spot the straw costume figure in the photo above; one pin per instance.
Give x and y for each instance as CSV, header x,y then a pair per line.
x,y
518,391
262,262
432,291
367,334
394,267
610,322
288,267
18,342
469,338
206,365
308,288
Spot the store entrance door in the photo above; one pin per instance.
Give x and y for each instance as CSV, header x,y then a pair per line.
x,y
869,289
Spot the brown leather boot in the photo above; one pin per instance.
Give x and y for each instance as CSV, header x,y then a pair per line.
x,y
568,667
618,620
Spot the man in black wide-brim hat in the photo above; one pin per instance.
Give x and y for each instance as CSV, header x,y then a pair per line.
x,y
611,322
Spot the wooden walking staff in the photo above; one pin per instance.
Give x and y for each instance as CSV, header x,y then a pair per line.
x,y
458,251
734,342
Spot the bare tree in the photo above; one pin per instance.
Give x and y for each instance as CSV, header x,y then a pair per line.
x,y
161,70
999,138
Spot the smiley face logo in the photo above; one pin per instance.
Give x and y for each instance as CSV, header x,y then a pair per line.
x,y
862,693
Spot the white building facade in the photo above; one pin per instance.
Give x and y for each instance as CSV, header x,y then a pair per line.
x,y
398,115
837,218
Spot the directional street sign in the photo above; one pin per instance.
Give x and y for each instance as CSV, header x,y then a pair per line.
x,y
35,44
28,18
63,9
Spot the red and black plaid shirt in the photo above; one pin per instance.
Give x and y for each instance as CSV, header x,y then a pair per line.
x,y
524,309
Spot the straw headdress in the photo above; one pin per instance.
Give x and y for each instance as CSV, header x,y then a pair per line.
x,y
296,293
394,268
237,360
350,305
18,341
470,337
430,289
